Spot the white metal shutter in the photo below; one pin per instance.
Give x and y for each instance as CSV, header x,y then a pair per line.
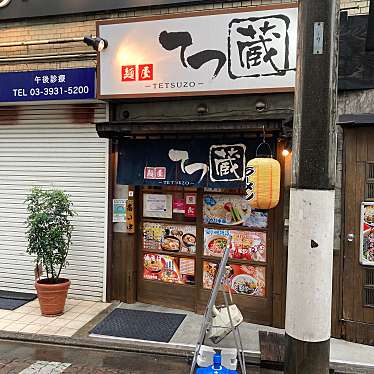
x,y
54,145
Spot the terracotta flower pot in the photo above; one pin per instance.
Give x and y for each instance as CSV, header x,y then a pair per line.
x,y
52,297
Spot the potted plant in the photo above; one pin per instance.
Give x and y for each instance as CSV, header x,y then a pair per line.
x,y
49,232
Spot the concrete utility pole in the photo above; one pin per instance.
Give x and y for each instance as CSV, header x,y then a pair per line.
x,y
310,257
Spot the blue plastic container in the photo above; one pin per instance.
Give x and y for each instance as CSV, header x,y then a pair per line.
x,y
216,368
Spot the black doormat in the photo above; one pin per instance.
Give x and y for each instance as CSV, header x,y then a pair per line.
x,y
139,324
10,300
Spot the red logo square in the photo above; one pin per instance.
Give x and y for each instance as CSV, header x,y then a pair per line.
x,y
190,211
149,173
129,73
146,72
160,172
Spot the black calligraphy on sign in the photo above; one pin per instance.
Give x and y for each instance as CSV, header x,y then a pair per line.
x,y
186,166
259,46
174,40
227,162
249,186
182,40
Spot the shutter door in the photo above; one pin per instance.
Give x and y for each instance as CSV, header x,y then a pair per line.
x,y
54,145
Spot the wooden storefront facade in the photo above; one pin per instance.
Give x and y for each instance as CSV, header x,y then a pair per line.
x,y
127,281
352,313
223,117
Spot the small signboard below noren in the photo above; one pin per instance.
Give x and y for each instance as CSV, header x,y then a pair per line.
x,y
47,85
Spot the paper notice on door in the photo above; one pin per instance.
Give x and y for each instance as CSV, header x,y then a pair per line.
x,y
119,210
157,206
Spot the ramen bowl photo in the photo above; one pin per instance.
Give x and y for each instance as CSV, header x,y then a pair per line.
x,y
153,264
217,245
171,243
244,284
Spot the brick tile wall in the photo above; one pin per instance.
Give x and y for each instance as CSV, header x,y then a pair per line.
x,y
78,26
363,6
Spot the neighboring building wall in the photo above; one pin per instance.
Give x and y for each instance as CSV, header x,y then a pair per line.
x,y
363,6
357,102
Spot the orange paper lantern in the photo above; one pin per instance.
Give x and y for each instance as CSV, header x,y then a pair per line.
x,y
263,177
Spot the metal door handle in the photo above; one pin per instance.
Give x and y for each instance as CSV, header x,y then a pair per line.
x,y
350,237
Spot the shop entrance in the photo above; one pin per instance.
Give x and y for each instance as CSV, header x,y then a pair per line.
x,y
358,261
182,235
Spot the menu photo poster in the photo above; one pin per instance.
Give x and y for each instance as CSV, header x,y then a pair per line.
x,y
169,269
232,210
158,205
242,279
169,238
245,245
367,234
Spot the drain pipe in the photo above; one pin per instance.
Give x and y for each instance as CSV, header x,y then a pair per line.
x,y
45,56
48,56
41,42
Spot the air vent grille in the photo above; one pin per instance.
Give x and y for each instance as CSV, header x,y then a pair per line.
x,y
369,288
369,278
369,190
370,170
369,297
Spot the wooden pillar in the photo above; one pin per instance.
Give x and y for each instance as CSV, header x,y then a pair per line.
x,y
310,254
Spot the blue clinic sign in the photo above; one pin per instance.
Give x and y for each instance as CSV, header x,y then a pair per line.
x,y
42,85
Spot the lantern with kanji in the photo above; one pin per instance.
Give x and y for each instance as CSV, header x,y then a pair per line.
x,y
263,175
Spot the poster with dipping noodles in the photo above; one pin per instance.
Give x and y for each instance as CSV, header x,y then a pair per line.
x,y
367,234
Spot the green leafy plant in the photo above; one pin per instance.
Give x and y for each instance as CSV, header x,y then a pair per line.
x,y
49,229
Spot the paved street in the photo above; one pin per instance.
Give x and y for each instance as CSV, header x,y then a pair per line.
x,y
27,358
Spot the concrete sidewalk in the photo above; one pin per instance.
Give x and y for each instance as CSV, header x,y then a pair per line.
x,y
342,352
83,316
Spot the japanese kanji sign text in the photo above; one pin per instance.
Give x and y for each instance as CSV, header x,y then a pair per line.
x,y
247,49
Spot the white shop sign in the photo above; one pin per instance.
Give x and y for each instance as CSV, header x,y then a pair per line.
x,y
245,50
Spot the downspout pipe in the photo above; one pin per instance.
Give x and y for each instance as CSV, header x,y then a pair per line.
x,y
41,42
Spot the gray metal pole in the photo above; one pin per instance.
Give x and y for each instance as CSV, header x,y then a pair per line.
x,y
310,257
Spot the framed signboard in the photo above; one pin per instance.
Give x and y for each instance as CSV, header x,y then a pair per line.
x,y
48,85
226,51
367,234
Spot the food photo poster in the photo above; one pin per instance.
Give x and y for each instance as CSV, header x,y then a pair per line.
x,y
232,210
244,245
367,234
169,238
169,269
241,279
